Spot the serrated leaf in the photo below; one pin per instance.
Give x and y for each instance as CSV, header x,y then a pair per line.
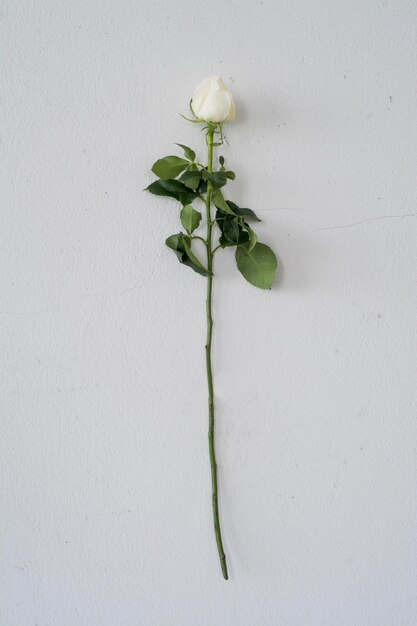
x,y
246,213
175,243
252,237
230,229
167,187
217,179
190,154
190,218
258,265
220,203
169,167
180,244
225,243
243,238
172,189
195,263
202,187
191,179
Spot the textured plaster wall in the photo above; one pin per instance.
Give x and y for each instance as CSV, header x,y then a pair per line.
x,y
105,493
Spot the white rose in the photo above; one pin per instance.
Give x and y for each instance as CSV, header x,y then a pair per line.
x,y
213,102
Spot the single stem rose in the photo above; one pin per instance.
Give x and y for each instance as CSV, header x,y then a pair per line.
x,y
212,452
187,180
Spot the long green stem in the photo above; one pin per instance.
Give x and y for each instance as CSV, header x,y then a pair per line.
x,y
212,453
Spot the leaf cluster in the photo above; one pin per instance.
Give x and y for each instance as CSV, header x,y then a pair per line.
x,y
186,180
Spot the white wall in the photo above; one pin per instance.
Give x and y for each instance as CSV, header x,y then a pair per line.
x,y
106,516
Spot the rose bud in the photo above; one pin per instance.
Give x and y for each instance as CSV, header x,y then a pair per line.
x,y
212,101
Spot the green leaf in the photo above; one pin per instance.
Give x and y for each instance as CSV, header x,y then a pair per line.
x,y
221,160
220,203
217,179
191,179
202,188
258,265
243,238
246,213
190,154
190,218
195,263
175,243
172,189
181,246
231,175
169,167
167,187
231,230
252,237
186,198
